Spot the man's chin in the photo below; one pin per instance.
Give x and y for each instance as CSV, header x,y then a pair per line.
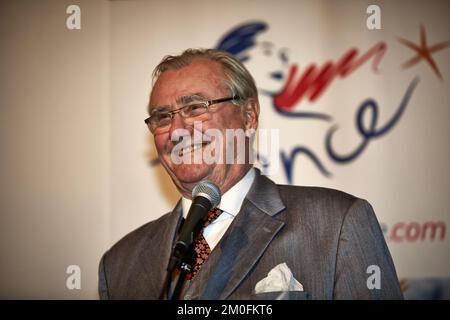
x,y
191,173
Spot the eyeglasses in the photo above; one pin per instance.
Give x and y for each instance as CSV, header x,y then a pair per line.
x,y
160,121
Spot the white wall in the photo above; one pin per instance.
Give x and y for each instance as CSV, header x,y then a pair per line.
x,y
404,174
54,142
74,160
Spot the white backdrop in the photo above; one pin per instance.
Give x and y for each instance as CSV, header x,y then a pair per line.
x,y
77,171
403,173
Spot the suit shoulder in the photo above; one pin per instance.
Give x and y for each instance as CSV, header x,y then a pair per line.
x,y
134,240
317,200
315,193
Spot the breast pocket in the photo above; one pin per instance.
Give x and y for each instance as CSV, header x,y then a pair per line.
x,y
281,295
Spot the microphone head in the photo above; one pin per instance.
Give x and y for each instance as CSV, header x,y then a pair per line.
x,y
208,190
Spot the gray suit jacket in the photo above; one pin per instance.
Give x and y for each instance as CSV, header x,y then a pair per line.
x,y
326,237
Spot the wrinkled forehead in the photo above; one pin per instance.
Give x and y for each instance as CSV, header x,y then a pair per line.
x,y
203,78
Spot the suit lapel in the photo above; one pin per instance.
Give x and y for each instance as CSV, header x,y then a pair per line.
x,y
156,252
243,244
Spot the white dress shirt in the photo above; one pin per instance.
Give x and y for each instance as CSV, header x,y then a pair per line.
x,y
230,204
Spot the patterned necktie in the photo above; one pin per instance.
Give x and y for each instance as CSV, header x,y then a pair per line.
x,y
201,247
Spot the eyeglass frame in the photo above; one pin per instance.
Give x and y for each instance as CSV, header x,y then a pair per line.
x,y
207,103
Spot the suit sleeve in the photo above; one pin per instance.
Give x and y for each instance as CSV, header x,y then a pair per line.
x,y
364,267
102,283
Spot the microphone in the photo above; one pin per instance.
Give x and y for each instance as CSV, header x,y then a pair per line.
x,y
205,195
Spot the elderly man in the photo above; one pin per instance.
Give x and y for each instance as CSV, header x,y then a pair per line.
x,y
263,241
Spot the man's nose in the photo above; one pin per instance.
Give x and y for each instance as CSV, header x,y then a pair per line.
x,y
178,127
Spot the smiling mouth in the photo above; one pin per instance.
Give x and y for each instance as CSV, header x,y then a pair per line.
x,y
192,148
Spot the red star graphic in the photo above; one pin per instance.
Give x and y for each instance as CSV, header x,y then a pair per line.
x,y
424,52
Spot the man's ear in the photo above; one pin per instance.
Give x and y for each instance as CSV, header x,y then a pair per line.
x,y
250,113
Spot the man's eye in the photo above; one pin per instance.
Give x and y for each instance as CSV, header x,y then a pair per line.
x,y
163,119
164,115
195,109
196,106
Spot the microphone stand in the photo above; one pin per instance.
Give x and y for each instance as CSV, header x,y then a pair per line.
x,y
185,266
205,195
182,257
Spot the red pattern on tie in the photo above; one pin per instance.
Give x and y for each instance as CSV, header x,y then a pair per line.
x,y
201,246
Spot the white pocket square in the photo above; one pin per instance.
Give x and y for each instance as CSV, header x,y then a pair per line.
x,y
279,278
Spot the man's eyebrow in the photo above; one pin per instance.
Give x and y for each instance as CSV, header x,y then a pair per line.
x,y
151,109
181,101
190,98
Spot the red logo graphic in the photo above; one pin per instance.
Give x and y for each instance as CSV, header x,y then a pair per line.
x,y
314,80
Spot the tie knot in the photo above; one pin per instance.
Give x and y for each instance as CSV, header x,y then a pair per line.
x,y
211,216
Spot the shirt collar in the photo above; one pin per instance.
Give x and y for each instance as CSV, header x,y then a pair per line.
x,y
232,200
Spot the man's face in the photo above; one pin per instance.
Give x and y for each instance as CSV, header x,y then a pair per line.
x,y
205,78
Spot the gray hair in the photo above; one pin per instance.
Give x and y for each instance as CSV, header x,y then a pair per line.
x,y
238,79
